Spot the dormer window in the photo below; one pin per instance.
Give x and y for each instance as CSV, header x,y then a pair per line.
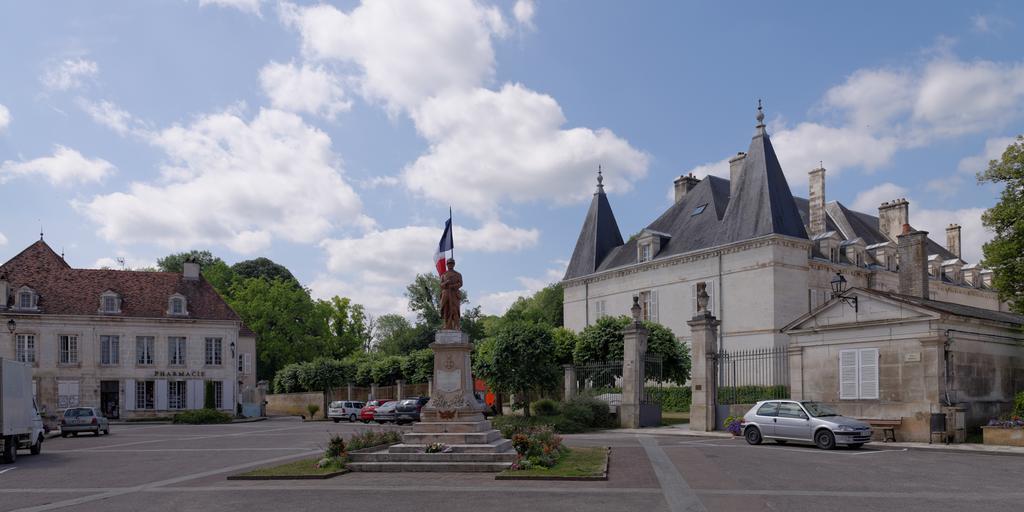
x,y
27,299
110,302
645,252
176,305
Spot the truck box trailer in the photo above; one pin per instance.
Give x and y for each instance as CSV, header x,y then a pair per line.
x,y
20,424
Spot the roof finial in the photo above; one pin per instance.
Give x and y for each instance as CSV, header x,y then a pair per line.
x,y
40,232
600,180
760,113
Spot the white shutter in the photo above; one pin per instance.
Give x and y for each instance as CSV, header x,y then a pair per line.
x,y
194,390
129,395
847,374
160,401
247,363
711,299
228,398
693,297
654,306
868,373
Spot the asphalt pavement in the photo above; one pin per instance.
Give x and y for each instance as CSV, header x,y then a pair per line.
x,y
178,467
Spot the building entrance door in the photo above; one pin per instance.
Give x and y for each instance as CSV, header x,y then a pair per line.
x,y
110,398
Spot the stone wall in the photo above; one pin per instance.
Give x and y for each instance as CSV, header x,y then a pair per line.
x,y
294,404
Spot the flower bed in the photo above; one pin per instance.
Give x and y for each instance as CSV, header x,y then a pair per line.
x,y
331,464
576,464
1004,432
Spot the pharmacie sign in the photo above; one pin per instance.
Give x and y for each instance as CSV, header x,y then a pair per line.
x,y
179,373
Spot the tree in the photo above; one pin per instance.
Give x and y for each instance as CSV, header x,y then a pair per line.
x,y
565,343
520,359
394,334
345,325
263,268
176,262
419,365
603,341
544,307
423,295
323,374
1004,254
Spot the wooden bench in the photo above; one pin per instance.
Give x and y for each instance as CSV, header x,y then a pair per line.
x,y
888,427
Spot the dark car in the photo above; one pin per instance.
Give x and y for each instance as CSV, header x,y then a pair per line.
x,y
385,413
366,413
408,410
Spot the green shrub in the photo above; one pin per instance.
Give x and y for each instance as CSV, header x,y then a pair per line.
x,y
578,413
202,417
600,416
1018,405
750,394
370,438
335,446
565,425
545,407
209,400
672,399
312,408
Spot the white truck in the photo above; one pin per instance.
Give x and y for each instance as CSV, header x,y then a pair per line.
x,y
20,424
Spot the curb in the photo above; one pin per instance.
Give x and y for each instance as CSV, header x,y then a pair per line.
x,y
324,476
947,449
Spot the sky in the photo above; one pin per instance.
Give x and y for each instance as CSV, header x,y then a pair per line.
x,y
334,137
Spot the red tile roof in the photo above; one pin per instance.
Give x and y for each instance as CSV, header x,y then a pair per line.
x,y
63,290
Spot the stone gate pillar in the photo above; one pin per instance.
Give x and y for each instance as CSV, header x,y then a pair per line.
x,y
704,330
633,378
570,381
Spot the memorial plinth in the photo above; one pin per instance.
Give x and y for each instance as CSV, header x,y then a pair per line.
x,y
453,416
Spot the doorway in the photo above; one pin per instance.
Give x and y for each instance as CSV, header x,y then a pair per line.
x,y
110,394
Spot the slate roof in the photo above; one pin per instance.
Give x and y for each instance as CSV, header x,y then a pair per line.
x,y
63,290
598,237
954,309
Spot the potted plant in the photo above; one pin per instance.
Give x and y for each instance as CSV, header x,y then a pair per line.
x,y
734,424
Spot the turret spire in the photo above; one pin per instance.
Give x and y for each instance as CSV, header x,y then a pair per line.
x,y
600,181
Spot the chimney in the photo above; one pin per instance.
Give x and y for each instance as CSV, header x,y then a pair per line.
x,y
190,270
684,184
953,239
892,216
817,200
913,272
735,169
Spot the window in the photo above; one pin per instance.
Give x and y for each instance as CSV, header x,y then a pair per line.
x,y
67,393
769,409
218,394
214,352
176,350
699,210
176,305
110,350
645,252
68,349
832,256
600,309
25,350
144,394
110,302
790,410
858,374
176,393
25,300
144,346
649,305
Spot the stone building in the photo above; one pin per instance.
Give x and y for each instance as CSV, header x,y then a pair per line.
x,y
767,257
132,343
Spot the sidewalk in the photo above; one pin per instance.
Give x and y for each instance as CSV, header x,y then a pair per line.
x,y
684,430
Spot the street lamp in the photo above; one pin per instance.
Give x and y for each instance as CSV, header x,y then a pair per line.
x,y
838,287
12,325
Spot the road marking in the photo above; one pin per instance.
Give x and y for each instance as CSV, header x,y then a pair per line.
x,y
176,450
8,469
182,438
263,485
676,491
808,449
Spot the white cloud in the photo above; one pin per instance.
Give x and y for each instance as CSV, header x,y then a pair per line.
x,y
868,200
5,118
945,187
125,261
233,182
801,148
957,97
994,149
310,89
509,145
524,11
872,97
249,6
66,166
376,299
988,24
973,234
68,74
379,181
497,303
110,115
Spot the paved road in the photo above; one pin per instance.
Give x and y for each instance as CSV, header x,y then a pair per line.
x,y
173,468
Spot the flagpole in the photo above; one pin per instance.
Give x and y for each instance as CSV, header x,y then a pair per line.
x,y
453,230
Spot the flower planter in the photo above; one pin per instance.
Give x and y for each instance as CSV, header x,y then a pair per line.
x,y
1006,436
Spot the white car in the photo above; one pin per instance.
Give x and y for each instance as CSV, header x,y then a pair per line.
x,y
344,410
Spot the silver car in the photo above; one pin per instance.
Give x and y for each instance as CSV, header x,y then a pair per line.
x,y
83,419
810,422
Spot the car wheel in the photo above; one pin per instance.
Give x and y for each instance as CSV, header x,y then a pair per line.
x,y
64,434
855,446
825,439
752,435
38,447
351,418
97,433
366,421
336,419
11,450
780,441
74,434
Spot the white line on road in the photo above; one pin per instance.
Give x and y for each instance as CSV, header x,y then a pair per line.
x,y
8,469
677,492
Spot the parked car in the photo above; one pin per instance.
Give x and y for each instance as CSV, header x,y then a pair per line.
x,y
805,422
344,410
84,419
366,413
408,410
385,413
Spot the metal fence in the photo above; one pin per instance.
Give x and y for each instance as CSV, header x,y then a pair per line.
x,y
653,379
747,376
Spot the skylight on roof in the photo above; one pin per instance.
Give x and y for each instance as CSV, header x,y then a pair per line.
x,y
698,210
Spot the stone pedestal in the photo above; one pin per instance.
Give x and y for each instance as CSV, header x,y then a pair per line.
x,y
704,328
453,417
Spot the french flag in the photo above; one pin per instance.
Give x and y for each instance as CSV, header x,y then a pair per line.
x,y
446,244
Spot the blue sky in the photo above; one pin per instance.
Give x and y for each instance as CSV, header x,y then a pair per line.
x,y
333,137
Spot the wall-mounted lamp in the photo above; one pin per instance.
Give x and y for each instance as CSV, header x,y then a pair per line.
x,y
838,287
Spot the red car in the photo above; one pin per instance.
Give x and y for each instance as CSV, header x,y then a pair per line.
x,y
366,413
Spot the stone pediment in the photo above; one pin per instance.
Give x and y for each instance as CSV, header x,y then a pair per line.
x,y
871,309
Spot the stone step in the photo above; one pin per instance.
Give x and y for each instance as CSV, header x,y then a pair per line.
x,y
451,427
496,446
439,467
451,437
506,457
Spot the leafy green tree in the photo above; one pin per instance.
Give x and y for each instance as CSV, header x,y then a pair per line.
x,y
220,276
1004,254
175,262
386,369
263,268
544,307
324,374
286,380
603,341
423,294
520,359
394,334
565,344
345,325
419,365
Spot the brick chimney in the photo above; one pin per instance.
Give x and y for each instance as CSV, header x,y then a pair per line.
x,y
892,215
816,196
190,270
953,239
684,184
735,168
913,272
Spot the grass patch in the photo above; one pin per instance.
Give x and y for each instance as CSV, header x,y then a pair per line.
x,y
674,418
300,469
576,464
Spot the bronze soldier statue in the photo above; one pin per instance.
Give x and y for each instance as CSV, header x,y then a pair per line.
x,y
451,297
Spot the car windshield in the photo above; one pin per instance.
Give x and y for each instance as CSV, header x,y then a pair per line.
x,y
819,410
78,413
336,405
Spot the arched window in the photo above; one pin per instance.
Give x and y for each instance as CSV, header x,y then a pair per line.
x,y
177,305
110,302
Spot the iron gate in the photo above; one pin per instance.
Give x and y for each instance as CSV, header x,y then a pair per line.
x,y
745,377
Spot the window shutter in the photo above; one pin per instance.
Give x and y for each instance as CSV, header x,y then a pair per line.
x,y
194,390
228,397
160,388
711,299
247,363
847,374
129,395
693,298
869,373
654,306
